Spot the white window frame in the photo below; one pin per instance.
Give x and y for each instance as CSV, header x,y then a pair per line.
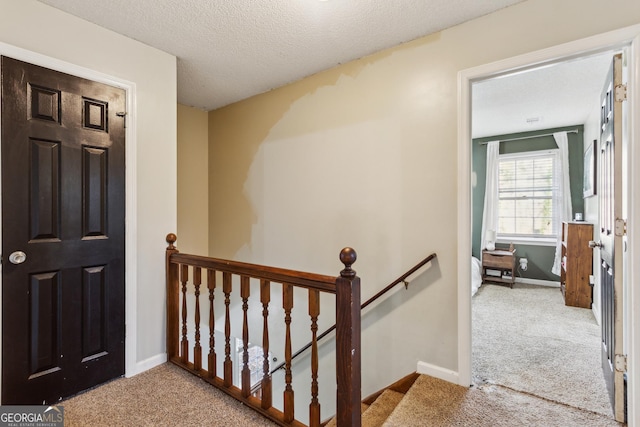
x,y
535,239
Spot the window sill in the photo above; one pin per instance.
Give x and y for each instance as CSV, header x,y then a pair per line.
x,y
532,241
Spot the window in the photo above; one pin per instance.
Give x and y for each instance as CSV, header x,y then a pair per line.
x,y
527,183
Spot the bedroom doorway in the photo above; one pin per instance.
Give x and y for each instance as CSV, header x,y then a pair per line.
x,y
524,338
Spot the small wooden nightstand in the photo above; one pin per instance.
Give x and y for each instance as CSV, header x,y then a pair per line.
x,y
499,266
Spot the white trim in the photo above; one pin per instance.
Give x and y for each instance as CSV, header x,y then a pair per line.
x,y
596,44
130,177
131,241
438,372
633,236
149,363
529,241
595,309
464,230
538,282
532,153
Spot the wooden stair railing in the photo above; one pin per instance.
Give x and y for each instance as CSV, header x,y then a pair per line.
x,y
184,272
401,279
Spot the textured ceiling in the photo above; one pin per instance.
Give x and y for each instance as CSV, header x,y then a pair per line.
x,y
229,50
559,95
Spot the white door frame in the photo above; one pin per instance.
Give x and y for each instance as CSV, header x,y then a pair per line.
x,y
130,179
628,38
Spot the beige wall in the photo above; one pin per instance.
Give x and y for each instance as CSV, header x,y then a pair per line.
x,y
365,155
38,28
193,181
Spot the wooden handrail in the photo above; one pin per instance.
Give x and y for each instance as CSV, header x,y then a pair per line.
x,y
399,280
184,274
293,277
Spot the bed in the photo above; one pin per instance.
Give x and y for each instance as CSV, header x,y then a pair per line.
x,y
476,275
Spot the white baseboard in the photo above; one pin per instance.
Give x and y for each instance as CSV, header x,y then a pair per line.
x,y
596,313
438,372
147,364
538,282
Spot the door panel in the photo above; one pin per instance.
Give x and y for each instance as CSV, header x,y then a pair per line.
x,y
93,313
94,176
44,307
610,188
63,205
44,206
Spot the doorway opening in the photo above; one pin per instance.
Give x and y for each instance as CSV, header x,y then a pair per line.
x,y
524,337
627,40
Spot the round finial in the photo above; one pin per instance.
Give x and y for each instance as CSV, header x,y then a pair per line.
x,y
171,239
348,256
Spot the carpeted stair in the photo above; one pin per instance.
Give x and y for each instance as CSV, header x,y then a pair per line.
x,y
169,396
421,400
377,407
375,415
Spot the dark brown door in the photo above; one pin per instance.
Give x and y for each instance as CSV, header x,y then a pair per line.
x,y
62,233
610,199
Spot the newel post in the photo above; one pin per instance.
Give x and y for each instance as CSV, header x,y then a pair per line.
x,y
173,300
348,343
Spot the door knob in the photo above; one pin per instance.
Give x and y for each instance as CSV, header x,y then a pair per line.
x,y
594,244
17,257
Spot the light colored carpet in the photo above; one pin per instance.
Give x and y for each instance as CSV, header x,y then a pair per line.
x,y
516,349
435,403
334,423
163,396
526,339
169,396
379,410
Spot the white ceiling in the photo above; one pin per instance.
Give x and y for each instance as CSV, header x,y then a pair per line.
x,y
229,50
562,94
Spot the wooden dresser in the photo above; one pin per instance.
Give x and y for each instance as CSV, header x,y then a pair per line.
x,y
577,264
